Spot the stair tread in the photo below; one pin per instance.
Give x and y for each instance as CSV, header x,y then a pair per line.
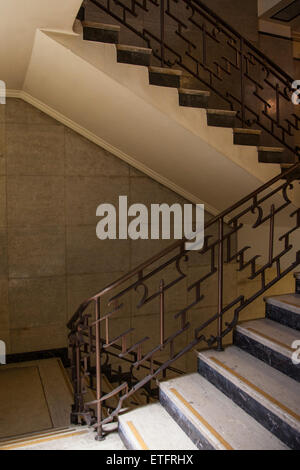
x,y
271,334
151,427
188,91
274,390
223,423
287,302
93,24
124,47
165,70
286,166
242,130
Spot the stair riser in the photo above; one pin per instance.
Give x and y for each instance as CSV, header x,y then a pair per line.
x,y
100,35
254,408
267,355
246,139
193,101
285,317
191,431
163,79
274,158
216,120
133,58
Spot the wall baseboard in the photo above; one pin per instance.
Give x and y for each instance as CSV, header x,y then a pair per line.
x,y
61,353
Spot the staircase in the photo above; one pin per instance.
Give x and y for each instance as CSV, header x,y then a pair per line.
x,y
244,398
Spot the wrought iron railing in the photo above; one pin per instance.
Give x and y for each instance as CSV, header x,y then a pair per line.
x,y
189,35
155,284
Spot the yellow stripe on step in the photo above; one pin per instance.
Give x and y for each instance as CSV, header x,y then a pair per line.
x,y
137,435
201,419
269,338
257,389
41,441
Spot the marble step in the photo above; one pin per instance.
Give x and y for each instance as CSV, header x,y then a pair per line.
x,y
221,118
152,428
210,419
134,55
250,137
165,77
99,32
193,98
270,342
284,309
274,155
286,166
269,396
